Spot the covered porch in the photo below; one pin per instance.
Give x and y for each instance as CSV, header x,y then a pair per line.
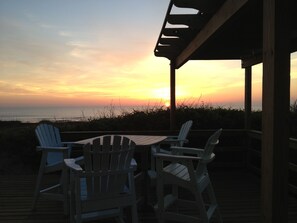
x,y
237,191
254,32
235,174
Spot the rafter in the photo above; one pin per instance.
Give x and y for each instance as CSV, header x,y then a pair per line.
x,y
229,8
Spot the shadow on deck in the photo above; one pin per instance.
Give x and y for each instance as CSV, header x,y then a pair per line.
x,y
237,191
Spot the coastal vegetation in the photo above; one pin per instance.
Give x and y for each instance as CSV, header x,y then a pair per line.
x,y
18,141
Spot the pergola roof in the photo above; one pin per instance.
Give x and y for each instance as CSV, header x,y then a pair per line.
x,y
215,30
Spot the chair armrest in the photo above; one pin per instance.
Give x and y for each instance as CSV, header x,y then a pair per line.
x,y
174,141
75,163
70,144
181,158
79,160
187,150
133,163
71,163
175,158
171,137
52,149
158,149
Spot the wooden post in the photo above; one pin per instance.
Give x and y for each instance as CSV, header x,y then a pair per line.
x,y
248,98
276,102
172,96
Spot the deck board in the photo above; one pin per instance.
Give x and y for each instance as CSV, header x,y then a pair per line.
x,y
237,191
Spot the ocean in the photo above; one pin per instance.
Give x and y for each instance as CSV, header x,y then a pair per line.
x,y
73,113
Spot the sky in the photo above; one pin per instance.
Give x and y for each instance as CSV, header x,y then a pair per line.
x,y
94,52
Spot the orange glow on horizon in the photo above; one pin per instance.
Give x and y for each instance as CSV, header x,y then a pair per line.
x,y
167,104
51,62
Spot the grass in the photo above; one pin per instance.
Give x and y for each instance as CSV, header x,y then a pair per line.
x,y
18,142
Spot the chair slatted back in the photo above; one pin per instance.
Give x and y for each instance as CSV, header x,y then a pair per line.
x,y
208,155
49,136
107,163
184,131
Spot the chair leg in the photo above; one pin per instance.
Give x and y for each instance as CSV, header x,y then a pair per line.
x,y
154,149
134,213
219,216
72,204
201,206
38,184
78,207
131,183
213,201
160,196
64,184
36,192
119,220
175,191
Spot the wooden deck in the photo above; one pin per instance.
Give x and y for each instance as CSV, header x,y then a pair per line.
x,y
237,191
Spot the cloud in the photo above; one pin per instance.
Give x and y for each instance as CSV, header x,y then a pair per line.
x,y
80,44
65,33
14,89
83,50
47,26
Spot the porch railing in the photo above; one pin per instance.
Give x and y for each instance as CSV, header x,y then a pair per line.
x,y
254,157
238,148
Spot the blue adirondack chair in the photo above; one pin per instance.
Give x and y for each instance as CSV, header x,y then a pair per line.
x,y
54,151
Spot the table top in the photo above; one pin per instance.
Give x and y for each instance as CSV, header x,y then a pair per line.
x,y
140,140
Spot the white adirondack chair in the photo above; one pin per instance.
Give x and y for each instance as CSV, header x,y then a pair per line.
x,y
181,138
178,140
181,169
52,160
104,184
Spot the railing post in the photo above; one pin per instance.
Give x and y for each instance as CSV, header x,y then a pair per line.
x,y
275,115
172,96
248,98
248,109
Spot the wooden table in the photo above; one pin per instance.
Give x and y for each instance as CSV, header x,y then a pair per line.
x,y
140,140
143,145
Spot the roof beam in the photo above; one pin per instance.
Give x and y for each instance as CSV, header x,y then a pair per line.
x,y
177,32
248,62
228,9
188,20
206,6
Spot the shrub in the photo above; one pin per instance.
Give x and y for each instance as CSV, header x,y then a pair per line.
x,y
18,142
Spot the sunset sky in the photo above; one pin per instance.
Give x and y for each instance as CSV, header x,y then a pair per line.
x,y
93,52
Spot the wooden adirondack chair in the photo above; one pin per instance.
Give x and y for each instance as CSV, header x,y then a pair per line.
x,y
178,140
52,160
180,169
181,138
104,184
